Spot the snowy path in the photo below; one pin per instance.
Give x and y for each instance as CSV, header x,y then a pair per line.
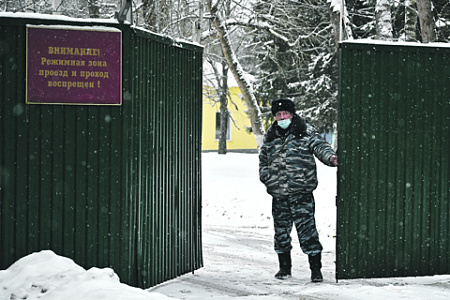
x,y
240,264
239,260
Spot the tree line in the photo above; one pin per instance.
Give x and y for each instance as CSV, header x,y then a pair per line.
x,y
272,48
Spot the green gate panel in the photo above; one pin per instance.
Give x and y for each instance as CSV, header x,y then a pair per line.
x,y
393,198
108,186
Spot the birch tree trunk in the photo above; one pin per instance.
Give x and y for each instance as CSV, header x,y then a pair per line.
x,y
198,24
427,24
238,73
383,20
410,21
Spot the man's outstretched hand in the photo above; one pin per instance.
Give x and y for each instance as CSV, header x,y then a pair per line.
x,y
334,160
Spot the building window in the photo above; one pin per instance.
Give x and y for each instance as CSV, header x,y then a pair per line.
x,y
218,126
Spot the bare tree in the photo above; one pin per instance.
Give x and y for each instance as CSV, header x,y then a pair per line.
x,y
236,69
175,18
93,8
154,15
224,114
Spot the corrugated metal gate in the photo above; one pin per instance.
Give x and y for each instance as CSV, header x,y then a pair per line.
x,y
393,180
116,186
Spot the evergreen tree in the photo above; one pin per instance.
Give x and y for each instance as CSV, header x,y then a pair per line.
x,y
298,58
441,13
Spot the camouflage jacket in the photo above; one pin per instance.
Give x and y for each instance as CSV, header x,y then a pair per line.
x,y
286,161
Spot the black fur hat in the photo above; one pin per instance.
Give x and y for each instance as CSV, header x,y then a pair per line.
x,y
283,104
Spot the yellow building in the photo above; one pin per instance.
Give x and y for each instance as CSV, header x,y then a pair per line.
x,y
238,136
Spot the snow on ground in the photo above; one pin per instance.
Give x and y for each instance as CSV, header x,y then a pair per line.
x,y
45,275
238,254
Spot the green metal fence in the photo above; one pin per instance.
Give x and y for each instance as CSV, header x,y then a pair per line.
x,y
108,186
393,180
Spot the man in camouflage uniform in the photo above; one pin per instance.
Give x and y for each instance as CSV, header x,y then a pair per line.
x,y
288,170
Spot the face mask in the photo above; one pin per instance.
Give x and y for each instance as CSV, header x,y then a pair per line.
x,y
284,123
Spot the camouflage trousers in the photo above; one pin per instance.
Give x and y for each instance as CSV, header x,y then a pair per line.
x,y
297,210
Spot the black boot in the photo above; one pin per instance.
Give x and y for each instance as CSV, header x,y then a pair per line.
x,y
315,265
285,266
